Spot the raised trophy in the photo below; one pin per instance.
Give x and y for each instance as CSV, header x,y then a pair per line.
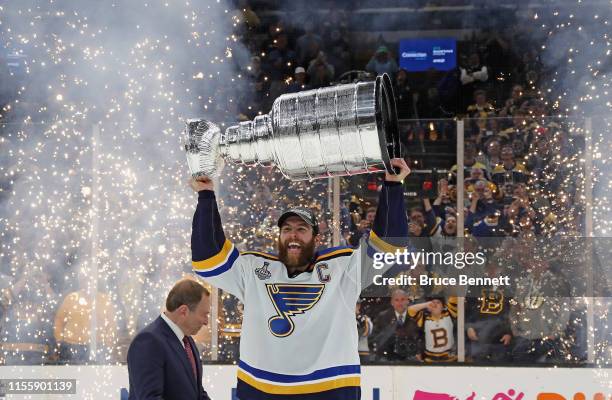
x,y
333,131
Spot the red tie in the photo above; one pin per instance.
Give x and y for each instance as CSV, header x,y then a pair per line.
x,y
190,357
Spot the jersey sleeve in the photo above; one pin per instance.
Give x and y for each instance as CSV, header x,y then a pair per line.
x,y
215,258
389,232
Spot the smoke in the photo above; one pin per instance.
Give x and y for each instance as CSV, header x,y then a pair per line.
x,y
111,201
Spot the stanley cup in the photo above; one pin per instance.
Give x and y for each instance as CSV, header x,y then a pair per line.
x,y
333,131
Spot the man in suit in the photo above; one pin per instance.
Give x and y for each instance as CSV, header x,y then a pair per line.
x,y
163,361
396,336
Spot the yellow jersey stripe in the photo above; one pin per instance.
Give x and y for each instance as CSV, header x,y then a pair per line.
x,y
299,389
380,244
259,253
218,259
334,253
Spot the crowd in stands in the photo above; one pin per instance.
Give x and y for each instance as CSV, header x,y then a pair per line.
x,y
521,189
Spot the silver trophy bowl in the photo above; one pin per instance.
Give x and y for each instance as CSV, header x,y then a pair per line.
x,y
333,131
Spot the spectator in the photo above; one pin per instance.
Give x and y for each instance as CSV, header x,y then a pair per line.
x,y
418,293
436,318
472,77
443,203
488,319
469,162
492,156
396,336
449,90
444,240
509,171
382,62
422,221
337,49
248,16
279,65
299,81
514,102
403,96
364,225
486,222
364,330
431,106
476,175
540,314
320,71
482,108
308,45
520,128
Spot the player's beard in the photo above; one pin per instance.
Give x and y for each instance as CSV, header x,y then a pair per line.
x,y
292,261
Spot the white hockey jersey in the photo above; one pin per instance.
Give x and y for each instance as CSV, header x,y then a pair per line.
x,y
299,337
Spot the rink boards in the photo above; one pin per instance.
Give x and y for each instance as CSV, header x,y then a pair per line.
x,y
378,383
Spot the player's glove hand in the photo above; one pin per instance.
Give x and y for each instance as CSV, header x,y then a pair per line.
x,y
201,183
404,170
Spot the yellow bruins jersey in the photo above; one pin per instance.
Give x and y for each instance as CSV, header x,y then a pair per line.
x,y
439,332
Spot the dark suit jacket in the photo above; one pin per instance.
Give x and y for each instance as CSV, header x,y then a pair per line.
x,y
392,341
158,366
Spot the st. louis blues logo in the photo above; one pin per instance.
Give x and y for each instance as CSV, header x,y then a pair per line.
x,y
263,273
290,300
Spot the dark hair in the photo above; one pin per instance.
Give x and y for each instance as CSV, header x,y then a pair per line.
x,y
416,209
188,292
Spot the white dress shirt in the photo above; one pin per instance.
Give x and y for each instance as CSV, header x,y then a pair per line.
x,y
175,328
401,317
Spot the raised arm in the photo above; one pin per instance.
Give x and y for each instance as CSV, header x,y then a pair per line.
x,y
214,258
390,221
390,229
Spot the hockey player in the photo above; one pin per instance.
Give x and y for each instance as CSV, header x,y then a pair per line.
x,y
298,332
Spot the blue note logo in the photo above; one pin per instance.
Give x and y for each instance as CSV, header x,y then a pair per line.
x,y
290,300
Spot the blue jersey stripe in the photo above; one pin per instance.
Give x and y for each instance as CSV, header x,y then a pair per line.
x,y
222,268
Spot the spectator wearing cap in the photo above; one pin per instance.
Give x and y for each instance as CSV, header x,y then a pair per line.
x,y
382,62
299,81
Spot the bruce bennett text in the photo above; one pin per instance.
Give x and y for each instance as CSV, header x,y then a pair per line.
x,y
425,280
